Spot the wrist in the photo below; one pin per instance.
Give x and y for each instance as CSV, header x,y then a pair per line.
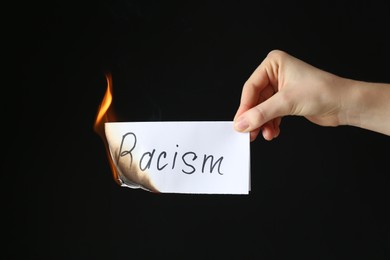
x,y
366,105
351,102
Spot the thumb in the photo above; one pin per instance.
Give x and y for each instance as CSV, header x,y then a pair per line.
x,y
257,116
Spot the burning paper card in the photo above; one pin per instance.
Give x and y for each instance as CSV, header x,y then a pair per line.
x,y
174,157
180,157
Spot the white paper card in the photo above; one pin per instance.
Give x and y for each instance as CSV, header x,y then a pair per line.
x,y
207,157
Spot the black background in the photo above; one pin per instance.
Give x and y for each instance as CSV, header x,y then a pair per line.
x,y
317,192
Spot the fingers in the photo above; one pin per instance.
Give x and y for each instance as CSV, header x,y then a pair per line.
x,y
271,109
260,108
270,130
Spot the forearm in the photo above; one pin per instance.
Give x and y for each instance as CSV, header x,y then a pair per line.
x,y
367,105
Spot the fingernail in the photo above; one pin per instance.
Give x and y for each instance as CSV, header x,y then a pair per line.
x,y
241,124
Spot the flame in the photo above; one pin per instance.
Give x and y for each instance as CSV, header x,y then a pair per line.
x,y
106,114
123,176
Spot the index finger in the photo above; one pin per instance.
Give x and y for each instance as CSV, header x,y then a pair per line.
x,y
253,87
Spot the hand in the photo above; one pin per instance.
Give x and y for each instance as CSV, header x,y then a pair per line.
x,y
284,85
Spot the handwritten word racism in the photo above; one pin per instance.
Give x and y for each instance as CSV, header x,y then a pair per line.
x,y
188,162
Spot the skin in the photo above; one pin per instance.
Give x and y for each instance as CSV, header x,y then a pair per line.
x,y
283,85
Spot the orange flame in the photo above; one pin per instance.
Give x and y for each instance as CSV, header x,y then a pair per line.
x,y
106,114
